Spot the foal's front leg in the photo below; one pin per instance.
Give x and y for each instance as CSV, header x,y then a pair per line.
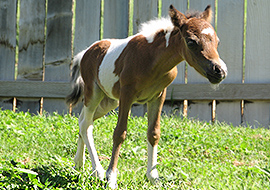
x,y
154,108
119,135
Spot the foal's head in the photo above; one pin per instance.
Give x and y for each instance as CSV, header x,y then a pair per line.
x,y
200,43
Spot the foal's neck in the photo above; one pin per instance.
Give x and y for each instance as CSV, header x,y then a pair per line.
x,y
171,56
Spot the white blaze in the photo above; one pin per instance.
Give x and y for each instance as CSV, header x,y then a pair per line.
x,y
208,31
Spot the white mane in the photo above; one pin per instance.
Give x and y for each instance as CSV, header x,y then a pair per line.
x,y
150,28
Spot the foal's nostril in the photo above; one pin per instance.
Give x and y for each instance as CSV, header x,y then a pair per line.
x,y
217,70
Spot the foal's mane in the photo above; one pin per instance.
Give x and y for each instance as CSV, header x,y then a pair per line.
x,y
150,28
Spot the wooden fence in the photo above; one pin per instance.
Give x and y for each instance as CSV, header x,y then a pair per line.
x,y
39,38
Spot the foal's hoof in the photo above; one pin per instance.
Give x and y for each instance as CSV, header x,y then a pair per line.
x,y
111,179
77,168
153,176
99,173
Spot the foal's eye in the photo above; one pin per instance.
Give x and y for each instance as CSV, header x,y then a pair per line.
x,y
191,44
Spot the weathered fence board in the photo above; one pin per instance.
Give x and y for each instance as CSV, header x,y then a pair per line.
x,y
87,24
200,110
222,92
116,17
58,47
144,11
31,39
177,92
31,47
7,44
230,20
58,40
229,112
180,5
257,57
7,39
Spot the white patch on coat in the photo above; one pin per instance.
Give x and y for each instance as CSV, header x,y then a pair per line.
x,y
208,31
106,76
150,28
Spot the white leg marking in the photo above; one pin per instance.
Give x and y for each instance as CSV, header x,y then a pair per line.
x,y
152,173
80,154
86,132
111,179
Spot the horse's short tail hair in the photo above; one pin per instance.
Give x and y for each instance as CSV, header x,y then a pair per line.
x,y
76,81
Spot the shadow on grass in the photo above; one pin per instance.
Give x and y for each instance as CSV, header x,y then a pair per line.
x,y
52,176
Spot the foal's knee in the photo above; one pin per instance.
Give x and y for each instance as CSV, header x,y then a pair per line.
x,y
119,136
153,136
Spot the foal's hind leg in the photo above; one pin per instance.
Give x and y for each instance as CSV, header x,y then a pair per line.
x,y
154,108
80,154
86,133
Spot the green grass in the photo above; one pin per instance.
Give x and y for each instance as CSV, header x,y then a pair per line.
x,y
36,152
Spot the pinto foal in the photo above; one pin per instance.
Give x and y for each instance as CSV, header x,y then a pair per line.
x,y
138,69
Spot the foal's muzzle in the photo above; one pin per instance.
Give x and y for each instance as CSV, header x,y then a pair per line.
x,y
217,71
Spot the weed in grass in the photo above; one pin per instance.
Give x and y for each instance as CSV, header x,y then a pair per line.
x,y
37,153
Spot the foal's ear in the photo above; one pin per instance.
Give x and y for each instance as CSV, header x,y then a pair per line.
x,y
177,18
207,14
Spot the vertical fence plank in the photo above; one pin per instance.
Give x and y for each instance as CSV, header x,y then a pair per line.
x,y
230,30
144,11
256,114
200,109
116,17
58,48
180,5
257,58
31,47
7,44
31,39
87,29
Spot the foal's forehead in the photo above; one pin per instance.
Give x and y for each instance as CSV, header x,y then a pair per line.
x,y
200,27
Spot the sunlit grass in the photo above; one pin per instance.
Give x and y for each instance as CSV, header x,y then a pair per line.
x,y
37,152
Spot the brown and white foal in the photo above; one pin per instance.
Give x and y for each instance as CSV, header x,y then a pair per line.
x,y
120,72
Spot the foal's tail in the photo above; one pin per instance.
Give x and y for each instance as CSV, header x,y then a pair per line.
x,y
76,81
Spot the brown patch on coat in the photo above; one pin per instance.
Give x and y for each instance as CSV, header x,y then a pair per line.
x,y
90,64
148,67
